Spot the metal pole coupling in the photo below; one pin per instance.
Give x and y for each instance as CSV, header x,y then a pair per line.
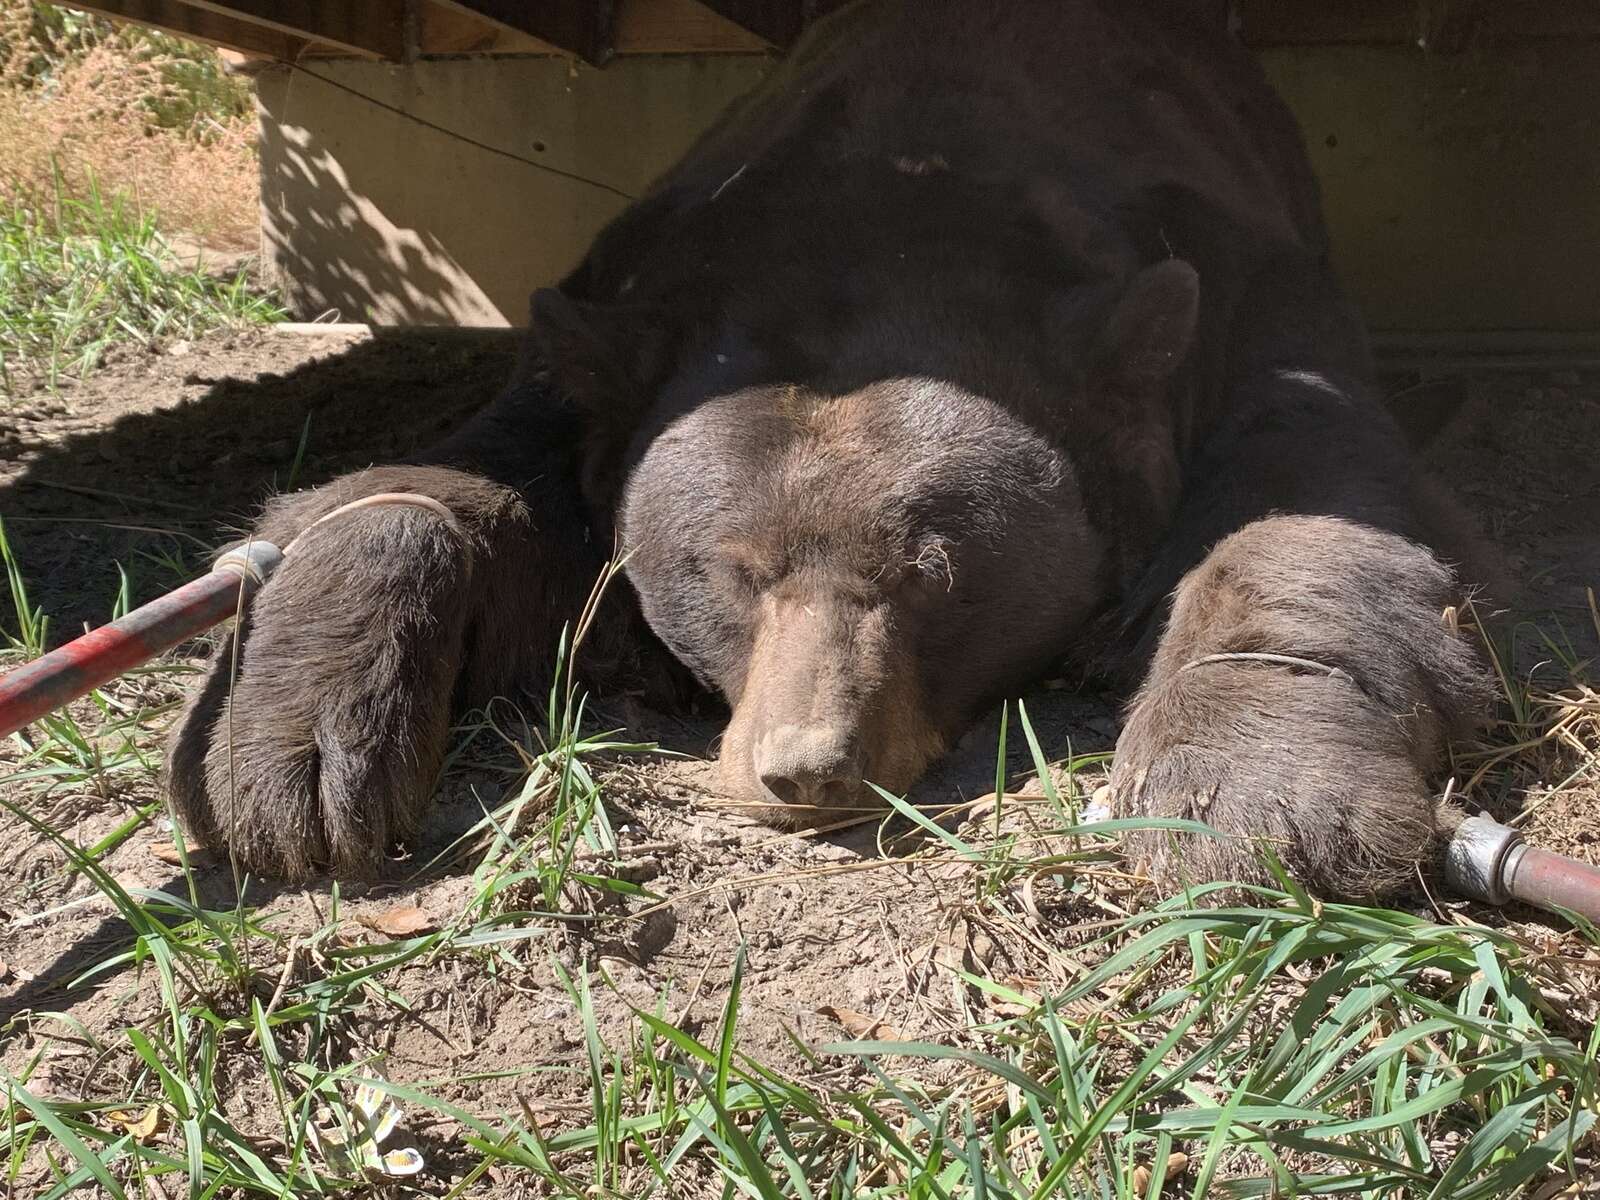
x,y
77,668
1490,861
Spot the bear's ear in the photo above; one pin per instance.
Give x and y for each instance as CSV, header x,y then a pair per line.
x,y
604,359
1151,328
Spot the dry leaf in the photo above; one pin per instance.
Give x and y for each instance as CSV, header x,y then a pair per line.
x,y
859,1025
405,920
143,1126
167,852
1141,1174
985,804
1005,1007
1559,1189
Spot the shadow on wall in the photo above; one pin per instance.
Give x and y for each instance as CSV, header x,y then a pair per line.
x,y
334,254
1459,187
444,192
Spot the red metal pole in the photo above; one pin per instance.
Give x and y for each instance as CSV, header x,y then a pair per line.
x,y
1489,861
80,666
1548,880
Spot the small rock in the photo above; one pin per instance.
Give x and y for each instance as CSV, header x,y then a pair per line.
x,y
638,870
981,946
707,835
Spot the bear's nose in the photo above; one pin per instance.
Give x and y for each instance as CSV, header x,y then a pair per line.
x,y
808,764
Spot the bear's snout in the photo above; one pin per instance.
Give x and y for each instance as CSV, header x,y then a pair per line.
x,y
812,765
829,701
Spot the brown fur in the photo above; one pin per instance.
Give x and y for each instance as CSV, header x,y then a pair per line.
x,y
842,549
824,707
977,336
346,672
1331,770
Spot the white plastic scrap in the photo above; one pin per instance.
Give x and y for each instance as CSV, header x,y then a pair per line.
x,y
360,1149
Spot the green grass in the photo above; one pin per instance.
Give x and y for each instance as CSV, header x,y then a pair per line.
x,y
1400,1057
78,275
1404,1031
61,751
1274,1046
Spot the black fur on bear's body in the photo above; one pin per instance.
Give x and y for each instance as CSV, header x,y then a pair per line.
x,y
978,336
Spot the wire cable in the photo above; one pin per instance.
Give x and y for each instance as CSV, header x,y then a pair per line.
x,y
461,137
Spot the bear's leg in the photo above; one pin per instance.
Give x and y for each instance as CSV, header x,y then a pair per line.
x,y
1305,683
316,740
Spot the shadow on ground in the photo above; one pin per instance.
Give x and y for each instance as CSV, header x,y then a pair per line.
x,y
155,458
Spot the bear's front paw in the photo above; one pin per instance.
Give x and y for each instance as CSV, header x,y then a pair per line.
x,y
321,750
1290,757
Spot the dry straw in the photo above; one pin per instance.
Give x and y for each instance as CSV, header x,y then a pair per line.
x,y
130,112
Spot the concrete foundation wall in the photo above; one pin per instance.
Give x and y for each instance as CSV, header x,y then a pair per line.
x,y
370,214
1463,190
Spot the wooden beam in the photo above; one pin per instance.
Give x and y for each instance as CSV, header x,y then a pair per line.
x,y
642,27
364,27
586,28
776,22
200,25
680,27
1445,27
442,29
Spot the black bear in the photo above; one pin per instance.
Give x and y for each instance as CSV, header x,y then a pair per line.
x,y
980,337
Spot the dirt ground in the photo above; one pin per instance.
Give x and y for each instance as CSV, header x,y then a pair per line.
x,y
147,462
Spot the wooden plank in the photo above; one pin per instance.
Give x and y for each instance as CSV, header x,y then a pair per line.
x,y
642,27
1445,27
680,27
586,28
201,25
776,22
374,28
444,30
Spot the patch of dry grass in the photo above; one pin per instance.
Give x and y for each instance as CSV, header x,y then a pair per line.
x,y
1540,769
120,146
90,106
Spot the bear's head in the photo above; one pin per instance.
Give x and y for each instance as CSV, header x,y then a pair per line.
x,y
863,572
